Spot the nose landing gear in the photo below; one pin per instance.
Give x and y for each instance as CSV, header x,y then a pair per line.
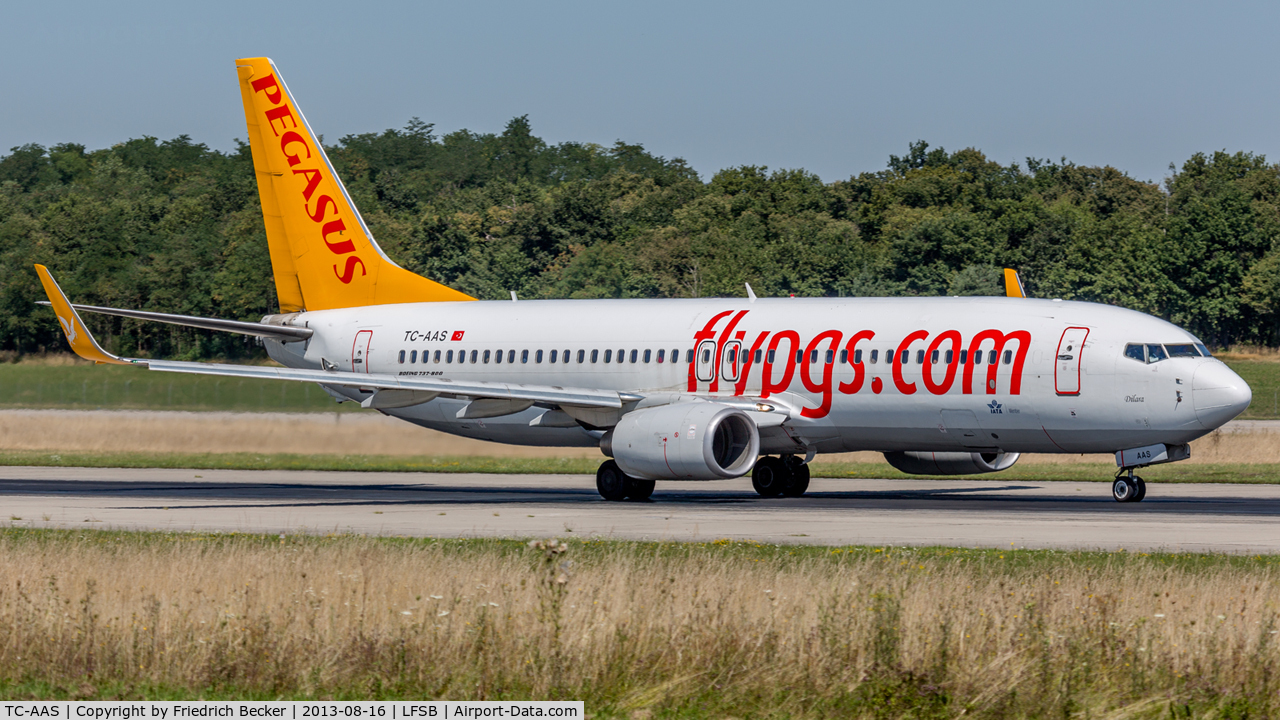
x,y
787,476
1128,488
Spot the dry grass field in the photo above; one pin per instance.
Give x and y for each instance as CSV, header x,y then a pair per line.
x,y
641,630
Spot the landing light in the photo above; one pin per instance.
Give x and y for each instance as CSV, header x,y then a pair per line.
x,y
764,407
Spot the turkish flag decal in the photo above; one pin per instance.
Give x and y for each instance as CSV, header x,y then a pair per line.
x,y
457,335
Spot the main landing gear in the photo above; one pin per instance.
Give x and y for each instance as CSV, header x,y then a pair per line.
x,y
787,476
615,485
1128,488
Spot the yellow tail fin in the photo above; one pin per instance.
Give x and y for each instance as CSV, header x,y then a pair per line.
x,y
322,254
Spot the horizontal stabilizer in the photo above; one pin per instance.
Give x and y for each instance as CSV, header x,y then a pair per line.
x,y
283,333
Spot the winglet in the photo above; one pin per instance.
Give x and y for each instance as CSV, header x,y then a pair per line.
x,y
1013,284
77,334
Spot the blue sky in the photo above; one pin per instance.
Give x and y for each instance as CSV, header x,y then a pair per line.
x,y
834,88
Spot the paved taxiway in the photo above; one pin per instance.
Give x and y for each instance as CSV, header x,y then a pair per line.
x,y
962,512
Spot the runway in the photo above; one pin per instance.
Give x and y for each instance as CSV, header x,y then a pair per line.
x,y
961,512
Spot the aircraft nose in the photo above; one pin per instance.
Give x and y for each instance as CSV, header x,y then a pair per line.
x,y
1218,394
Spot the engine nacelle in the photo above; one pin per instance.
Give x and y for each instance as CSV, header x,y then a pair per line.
x,y
950,463
684,441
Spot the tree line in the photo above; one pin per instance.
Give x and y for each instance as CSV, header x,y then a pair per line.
x,y
175,227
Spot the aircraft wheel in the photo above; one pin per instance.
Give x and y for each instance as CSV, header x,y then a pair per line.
x,y
1142,489
611,482
797,480
638,489
1123,490
769,477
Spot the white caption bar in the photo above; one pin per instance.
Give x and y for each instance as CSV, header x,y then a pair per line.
x,y
292,710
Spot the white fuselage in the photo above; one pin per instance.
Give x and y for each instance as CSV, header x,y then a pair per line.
x,y
1061,382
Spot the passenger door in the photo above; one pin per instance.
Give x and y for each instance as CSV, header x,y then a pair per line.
x,y
1066,364
360,351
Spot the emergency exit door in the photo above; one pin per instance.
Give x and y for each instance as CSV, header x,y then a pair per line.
x,y
360,351
1066,366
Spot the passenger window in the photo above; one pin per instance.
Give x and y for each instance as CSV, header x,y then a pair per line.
x,y
448,358
950,356
991,357
413,356
635,353
524,357
799,356
857,357
844,357
1008,356
1181,351
831,355
1155,353
498,357
582,356
706,356
662,354
595,356
977,357
436,357
608,356
476,352
813,356
874,354
933,357
622,354
566,356
888,357
919,357
486,357
689,356
675,356
906,357
537,357
964,357
647,355
511,356
555,355
401,357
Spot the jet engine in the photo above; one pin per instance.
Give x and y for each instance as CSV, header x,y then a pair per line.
x,y
684,441
950,463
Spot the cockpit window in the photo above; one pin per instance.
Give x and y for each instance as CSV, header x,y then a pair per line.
x,y
1137,352
1204,350
1156,353
1182,350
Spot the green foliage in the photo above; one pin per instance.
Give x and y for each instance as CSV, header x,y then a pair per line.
x,y
175,227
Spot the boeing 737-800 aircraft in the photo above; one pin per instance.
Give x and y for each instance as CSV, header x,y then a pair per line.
x,y
699,389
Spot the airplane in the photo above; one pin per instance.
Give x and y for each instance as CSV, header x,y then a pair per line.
x,y
695,389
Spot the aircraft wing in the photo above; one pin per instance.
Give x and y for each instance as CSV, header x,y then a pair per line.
x,y
415,389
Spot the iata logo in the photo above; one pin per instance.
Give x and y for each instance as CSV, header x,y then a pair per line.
x,y
995,407
293,145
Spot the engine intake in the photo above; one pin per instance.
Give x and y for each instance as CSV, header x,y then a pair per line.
x,y
684,441
950,463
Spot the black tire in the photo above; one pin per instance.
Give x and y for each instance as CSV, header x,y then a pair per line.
x,y
769,477
1123,490
639,490
1142,489
611,482
797,482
